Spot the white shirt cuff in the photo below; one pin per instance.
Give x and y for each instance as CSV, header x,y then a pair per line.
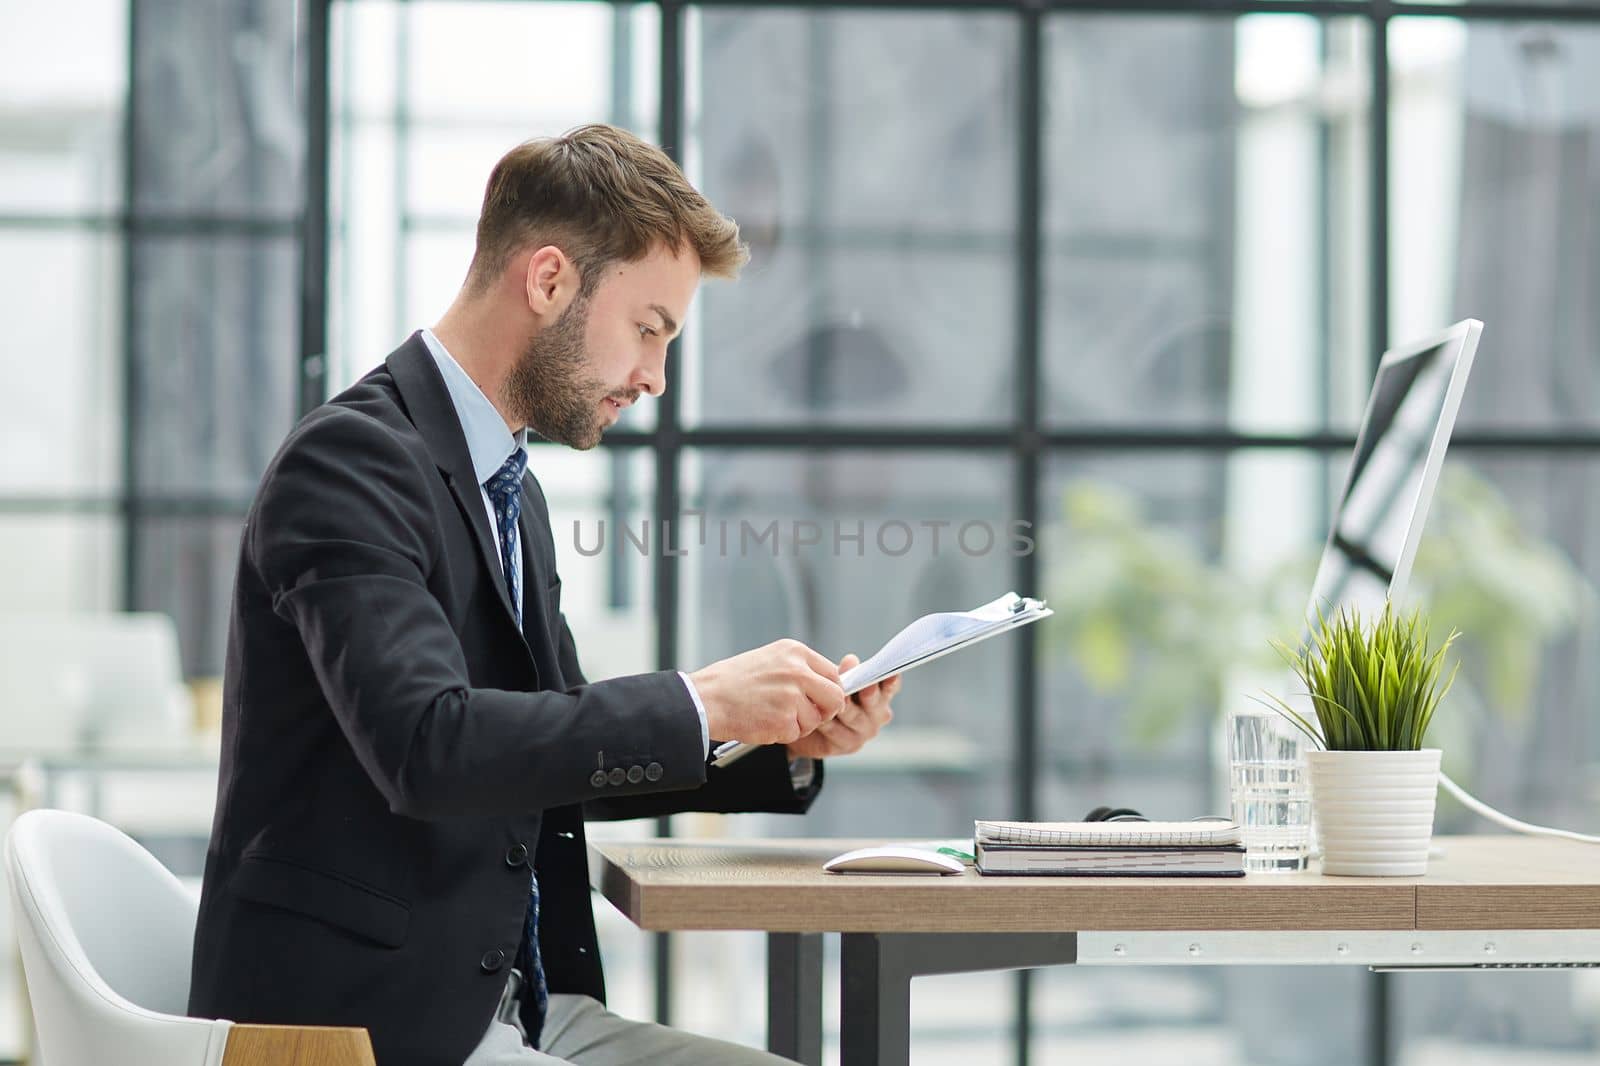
x,y
700,707
802,772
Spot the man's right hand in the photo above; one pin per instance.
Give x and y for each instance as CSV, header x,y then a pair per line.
x,y
774,694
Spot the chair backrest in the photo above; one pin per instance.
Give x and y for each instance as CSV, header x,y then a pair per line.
x,y
106,934
73,681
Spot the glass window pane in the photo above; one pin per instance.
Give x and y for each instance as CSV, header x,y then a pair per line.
x,y
420,115
1168,574
509,61
1166,584
608,598
1201,1015
448,165
186,569
863,337
62,430
549,67
956,1019
59,563
219,125
1204,222
436,261
607,592
1511,557
1492,183
882,282
1522,1018
1580,7
215,360
364,60
841,550
63,87
367,317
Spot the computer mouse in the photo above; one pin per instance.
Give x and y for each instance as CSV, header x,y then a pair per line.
x,y
893,860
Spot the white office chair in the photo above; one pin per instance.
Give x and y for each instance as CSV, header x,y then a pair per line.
x,y
106,933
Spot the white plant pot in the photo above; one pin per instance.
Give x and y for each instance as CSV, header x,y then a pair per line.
x,y
1374,810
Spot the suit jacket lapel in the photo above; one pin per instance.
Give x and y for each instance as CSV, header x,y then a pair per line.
x,y
428,402
535,579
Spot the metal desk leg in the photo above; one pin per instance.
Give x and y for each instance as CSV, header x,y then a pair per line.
x,y
877,968
794,996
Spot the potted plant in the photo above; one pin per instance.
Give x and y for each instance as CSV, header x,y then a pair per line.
x,y
1373,691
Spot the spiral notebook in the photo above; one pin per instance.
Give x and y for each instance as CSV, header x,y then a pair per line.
x,y
1211,833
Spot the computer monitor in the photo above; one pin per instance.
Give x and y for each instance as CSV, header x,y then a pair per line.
x,y
1399,450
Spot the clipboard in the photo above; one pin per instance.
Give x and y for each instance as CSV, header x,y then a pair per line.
x,y
1002,615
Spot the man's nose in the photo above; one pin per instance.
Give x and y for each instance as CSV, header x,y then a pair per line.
x,y
651,376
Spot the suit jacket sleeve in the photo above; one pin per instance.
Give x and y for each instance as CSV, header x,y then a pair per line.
x,y
344,537
758,782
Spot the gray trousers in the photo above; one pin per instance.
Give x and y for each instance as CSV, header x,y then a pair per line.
x,y
580,1031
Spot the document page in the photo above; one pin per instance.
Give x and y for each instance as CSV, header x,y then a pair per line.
x,y
926,639
933,634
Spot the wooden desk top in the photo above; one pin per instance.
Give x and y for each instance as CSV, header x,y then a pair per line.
x,y
1500,882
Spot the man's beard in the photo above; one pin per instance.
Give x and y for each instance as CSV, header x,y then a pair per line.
x,y
550,388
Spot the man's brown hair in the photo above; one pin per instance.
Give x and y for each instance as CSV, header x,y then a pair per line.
x,y
601,195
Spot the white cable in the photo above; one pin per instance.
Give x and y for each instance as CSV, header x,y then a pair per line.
x,y
1482,809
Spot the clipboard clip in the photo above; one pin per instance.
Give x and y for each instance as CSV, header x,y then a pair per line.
x,y
1022,604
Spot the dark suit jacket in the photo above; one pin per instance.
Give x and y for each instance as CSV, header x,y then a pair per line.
x,y
395,750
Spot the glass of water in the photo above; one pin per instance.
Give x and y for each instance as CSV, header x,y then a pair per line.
x,y
1270,796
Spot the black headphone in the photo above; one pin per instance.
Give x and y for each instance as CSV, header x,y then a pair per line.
x,y
1114,814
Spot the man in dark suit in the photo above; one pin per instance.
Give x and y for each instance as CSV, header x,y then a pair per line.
x,y
409,745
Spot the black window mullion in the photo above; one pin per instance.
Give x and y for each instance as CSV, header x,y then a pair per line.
x,y
314,242
404,123
1379,1000
670,130
1492,10
1028,447
619,467
1378,191
130,322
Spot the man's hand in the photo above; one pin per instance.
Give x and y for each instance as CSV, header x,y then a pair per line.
x,y
772,695
864,714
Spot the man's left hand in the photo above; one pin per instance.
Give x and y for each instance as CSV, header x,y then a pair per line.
x,y
863,716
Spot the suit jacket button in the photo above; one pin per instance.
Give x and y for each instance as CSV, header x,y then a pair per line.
x,y
517,855
635,774
598,779
653,771
492,961
618,775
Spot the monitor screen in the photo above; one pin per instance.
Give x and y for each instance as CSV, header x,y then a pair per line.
x,y
1399,449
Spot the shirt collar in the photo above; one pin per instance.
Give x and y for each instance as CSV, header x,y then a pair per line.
x,y
489,443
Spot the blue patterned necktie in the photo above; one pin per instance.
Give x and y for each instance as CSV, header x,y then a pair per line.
x,y
505,493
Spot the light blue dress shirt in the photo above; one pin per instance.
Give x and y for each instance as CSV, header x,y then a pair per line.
x,y
489,442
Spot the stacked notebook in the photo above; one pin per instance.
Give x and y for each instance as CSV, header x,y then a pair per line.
x,y
1110,849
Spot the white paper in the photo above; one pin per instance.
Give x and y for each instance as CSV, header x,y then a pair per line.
x,y
1104,834
924,640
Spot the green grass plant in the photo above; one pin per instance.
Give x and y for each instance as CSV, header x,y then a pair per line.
x,y
1373,687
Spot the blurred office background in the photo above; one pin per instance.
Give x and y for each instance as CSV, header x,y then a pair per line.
x,y
1121,275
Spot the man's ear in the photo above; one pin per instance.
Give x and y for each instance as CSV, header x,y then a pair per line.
x,y
551,281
